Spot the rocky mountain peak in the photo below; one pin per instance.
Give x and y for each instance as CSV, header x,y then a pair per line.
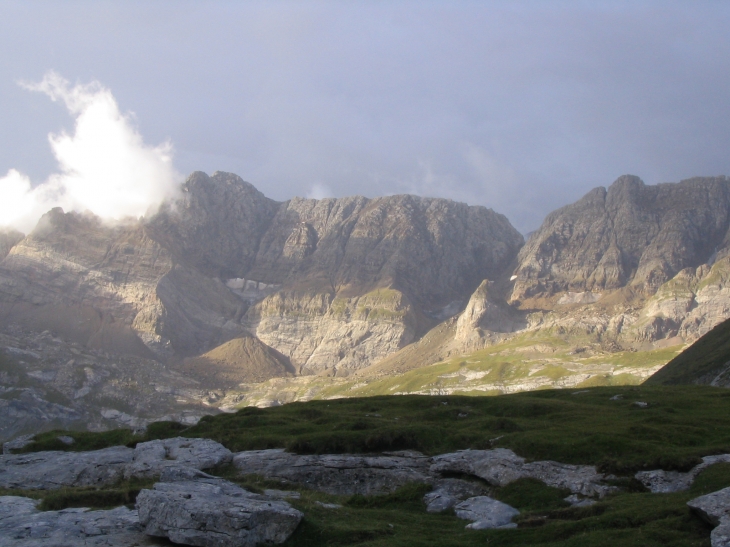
x,y
631,233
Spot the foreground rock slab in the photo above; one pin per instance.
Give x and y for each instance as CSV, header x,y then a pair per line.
x,y
339,474
214,513
23,525
715,509
448,492
55,469
152,457
501,466
486,513
659,481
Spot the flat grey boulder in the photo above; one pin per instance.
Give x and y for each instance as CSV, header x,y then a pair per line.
x,y
659,481
501,466
448,492
55,469
486,513
339,474
714,508
22,525
152,457
17,443
214,513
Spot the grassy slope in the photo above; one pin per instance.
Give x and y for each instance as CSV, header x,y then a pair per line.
x,y
580,426
525,362
707,357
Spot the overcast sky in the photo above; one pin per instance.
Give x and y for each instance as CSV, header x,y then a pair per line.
x,y
519,106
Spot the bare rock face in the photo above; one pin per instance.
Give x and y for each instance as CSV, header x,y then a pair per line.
x,y
48,470
332,285
501,466
486,312
629,234
112,288
339,474
153,457
214,513
217,226
8,240
447,493
486,513
53,469
715,509
659,481
23,525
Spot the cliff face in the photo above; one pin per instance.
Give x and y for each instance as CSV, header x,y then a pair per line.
x,y
239,294
630,234
112,288
331,285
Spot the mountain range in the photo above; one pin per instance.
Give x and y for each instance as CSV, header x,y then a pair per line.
x,y
226,298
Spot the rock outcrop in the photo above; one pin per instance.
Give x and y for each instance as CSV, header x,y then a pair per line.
x,y
329,285
212,512
659,481
629,234
447,493
339,474
112,288
714,508
501,466
56,469
23,525
48,470
486,513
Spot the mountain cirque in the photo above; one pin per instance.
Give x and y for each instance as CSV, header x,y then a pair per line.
x,y
239,299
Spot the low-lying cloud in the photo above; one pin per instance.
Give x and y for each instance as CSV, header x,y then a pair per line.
x,y
103,167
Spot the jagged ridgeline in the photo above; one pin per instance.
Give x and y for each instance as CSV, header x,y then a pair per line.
x,y
226,298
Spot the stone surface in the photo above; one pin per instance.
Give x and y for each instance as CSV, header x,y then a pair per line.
x,y
628,234
659,481
17,443
501,466
447,493
152,457
486,513
22,525
715,509
214,513
712,507
46,470
340,474
720,535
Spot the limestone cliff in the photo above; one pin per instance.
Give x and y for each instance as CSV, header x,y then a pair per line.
x,y
630,234
331,285
113,288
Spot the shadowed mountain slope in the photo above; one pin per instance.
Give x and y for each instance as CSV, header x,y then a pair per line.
x,y
707,361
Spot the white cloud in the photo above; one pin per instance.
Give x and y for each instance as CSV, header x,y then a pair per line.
x,y
104,167
320,191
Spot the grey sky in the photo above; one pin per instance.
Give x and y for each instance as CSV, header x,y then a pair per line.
x,y
519,106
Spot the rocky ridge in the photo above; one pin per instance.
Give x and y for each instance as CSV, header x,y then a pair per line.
x,y
250,301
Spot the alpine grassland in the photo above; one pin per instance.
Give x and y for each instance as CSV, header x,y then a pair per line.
x,y
621,430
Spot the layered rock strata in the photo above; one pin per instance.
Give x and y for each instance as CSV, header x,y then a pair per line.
x,y
628,234
23,525
56,469
213,512
339,474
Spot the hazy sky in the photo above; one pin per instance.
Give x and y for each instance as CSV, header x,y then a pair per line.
x,y
519,106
